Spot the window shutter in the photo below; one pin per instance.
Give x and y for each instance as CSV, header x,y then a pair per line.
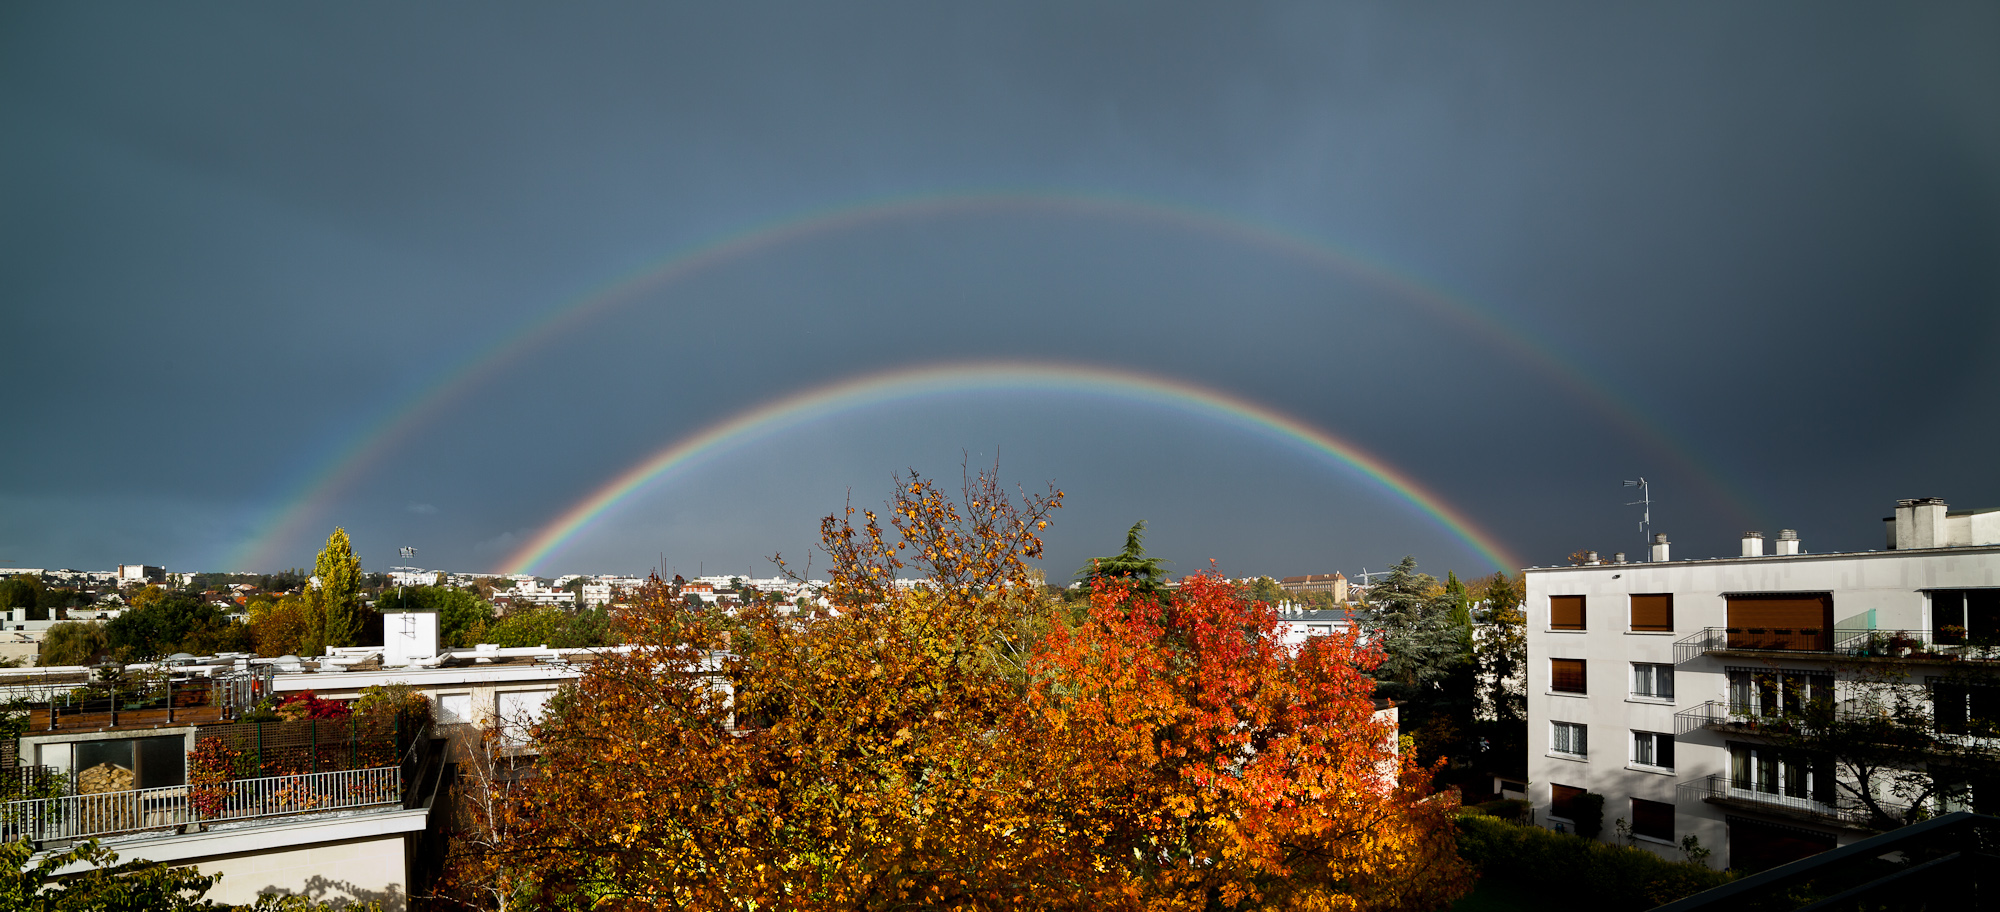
x,y
1566,612
1653,612
1800,621
1563,803
1567,676
1653,818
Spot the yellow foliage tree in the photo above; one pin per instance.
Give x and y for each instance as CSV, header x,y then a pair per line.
x,y
957,741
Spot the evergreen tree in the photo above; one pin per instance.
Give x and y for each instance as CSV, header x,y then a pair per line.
x,y
333,607
1130,566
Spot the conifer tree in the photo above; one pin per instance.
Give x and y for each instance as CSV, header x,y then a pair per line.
x,y
333,607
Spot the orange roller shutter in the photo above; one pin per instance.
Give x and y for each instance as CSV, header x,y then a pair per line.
x,y
1653,612
1566,612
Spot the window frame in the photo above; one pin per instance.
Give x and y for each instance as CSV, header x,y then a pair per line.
x,y
1632,612
1657,807
1580,739
1582,677
1582,612
1647,748
1653,673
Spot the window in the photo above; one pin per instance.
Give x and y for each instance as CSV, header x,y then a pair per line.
x,y
1961,615
1569,738
1655,681
1764,769
1962,708
1653,749
520,709
1653,613
454,708
1567,676
1562,801
1565,612
1780,620
1761,692
1653,819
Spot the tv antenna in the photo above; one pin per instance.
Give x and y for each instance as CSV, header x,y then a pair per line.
x,y
1645,518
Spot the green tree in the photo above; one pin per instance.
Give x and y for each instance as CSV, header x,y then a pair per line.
x,y
1130,566
135,886
74,643
549,625
24,591
333,608
1267,590
175,622
1425,632
1502,652
463,616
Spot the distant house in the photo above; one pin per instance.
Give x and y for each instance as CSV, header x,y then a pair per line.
x,y
1297,623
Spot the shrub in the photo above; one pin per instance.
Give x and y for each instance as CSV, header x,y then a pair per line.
x,y
308,705
1604,876
1510,809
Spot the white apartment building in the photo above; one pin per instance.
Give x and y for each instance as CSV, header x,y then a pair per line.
x,y
1646,681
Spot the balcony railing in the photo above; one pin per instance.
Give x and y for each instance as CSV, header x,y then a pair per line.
x,y
109,813
1714,712
1913,644
1842,807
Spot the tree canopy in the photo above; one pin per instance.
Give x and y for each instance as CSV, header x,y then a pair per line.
x,y
333,606
1129,566
961,741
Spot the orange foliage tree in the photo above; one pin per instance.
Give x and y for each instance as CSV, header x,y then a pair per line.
x,y
960,741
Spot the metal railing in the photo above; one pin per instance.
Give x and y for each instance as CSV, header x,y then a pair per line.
x,y
1917,644
1714,712
1841,806
108,813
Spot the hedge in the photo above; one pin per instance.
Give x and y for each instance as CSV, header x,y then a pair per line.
x,y
1592,874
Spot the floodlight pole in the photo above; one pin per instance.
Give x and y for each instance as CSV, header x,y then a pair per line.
x,y
408,553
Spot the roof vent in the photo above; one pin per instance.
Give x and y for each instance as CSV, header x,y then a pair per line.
x,y
1753,544
1788,542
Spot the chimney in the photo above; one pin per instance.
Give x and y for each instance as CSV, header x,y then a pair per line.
x,y
1920,523
1753,544
1659,547
1618,558
1788,541
1590,559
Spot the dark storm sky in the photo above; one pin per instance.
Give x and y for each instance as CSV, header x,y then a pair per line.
x,y
238,237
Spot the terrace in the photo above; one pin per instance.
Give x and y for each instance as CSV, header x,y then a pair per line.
x,y
184,769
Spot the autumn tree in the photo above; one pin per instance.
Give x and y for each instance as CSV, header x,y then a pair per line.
x,y
952,740
333,604
278,626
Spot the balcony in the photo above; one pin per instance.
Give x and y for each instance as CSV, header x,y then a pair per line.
x,y
175,807
1909,645
81,701
1842,809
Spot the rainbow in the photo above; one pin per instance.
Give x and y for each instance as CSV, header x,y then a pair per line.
x,y
905,384
313,497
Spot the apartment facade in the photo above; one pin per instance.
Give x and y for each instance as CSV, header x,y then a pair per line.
x,y
1649,683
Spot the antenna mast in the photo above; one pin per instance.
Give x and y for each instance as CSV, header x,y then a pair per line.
x,y
1645,518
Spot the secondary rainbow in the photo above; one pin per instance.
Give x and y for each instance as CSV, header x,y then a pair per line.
x,y
342,466
892,386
